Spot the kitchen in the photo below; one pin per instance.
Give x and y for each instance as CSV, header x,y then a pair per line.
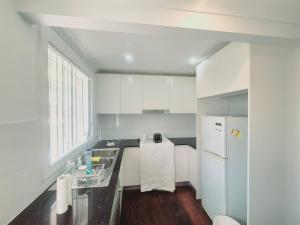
x,y
216,85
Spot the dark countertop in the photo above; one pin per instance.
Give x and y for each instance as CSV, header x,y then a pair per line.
x,y
94,205
191,141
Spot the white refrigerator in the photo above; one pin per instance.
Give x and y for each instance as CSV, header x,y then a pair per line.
x,y
224,166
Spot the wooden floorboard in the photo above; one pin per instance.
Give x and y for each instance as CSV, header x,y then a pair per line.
x,y
162,208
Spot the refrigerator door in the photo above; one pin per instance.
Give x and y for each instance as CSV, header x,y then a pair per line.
x,y
213,182
214,135
237,168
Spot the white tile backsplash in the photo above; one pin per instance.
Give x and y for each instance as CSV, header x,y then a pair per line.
x,y
132,126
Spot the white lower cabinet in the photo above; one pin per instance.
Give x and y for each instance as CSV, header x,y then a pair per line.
x,y
116,208
185,166
192,166
181,163
121,173
131,166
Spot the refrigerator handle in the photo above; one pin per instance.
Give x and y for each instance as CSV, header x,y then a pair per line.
x,y
214,154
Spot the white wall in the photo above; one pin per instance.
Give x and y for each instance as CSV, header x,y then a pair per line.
x,y
24,139
270,71
291,204
132,126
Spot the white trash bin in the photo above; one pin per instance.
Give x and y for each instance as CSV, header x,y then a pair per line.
x,y
224,220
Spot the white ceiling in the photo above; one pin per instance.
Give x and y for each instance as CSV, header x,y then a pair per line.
x,y
152,54
165,43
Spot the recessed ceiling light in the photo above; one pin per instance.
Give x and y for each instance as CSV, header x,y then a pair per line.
x,y
193,60
128,57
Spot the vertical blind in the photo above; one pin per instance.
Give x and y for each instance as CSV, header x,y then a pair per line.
x,y
69,105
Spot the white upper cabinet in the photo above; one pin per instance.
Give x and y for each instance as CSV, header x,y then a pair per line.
x,y
226,71
109,94
131,94
233,68
206,78
182,95
156,92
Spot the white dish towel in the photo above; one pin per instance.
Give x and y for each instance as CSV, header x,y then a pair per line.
x,y
157,166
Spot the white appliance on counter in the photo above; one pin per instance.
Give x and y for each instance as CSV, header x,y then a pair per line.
x,y
224,166
157,165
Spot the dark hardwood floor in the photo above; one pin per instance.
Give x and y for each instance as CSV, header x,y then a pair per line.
x,y
162,208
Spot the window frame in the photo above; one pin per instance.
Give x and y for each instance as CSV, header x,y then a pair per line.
x,y
75,73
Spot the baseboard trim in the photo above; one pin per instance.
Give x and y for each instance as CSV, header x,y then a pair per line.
x,y
177,184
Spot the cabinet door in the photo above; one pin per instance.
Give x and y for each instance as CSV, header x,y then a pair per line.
x,y
192,166
205,78
233,68
121,173
181,164
182,95
156,91
109,94
131,173
131,94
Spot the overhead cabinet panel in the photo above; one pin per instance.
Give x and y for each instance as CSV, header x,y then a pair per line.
x,y
156,92
131,94
226,71
109,94
233,68
182,94
206,78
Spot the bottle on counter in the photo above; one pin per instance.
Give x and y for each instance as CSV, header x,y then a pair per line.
x,y
88,161
70,167
79,162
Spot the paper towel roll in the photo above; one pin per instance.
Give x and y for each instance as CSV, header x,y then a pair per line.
x,y
69,179
62,195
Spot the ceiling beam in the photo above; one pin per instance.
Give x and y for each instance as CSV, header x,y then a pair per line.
x,y
115,16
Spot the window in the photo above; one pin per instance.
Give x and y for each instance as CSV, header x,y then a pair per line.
x,y
69,105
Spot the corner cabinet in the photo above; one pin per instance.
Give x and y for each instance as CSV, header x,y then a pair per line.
x,y
226,71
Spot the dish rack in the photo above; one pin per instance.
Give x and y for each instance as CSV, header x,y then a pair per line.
x,y
81,180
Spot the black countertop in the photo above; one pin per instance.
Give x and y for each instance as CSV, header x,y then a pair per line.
x,y
94,205
191,141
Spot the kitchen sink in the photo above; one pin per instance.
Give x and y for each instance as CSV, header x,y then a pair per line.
x,y
105,152
102,170
106,162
